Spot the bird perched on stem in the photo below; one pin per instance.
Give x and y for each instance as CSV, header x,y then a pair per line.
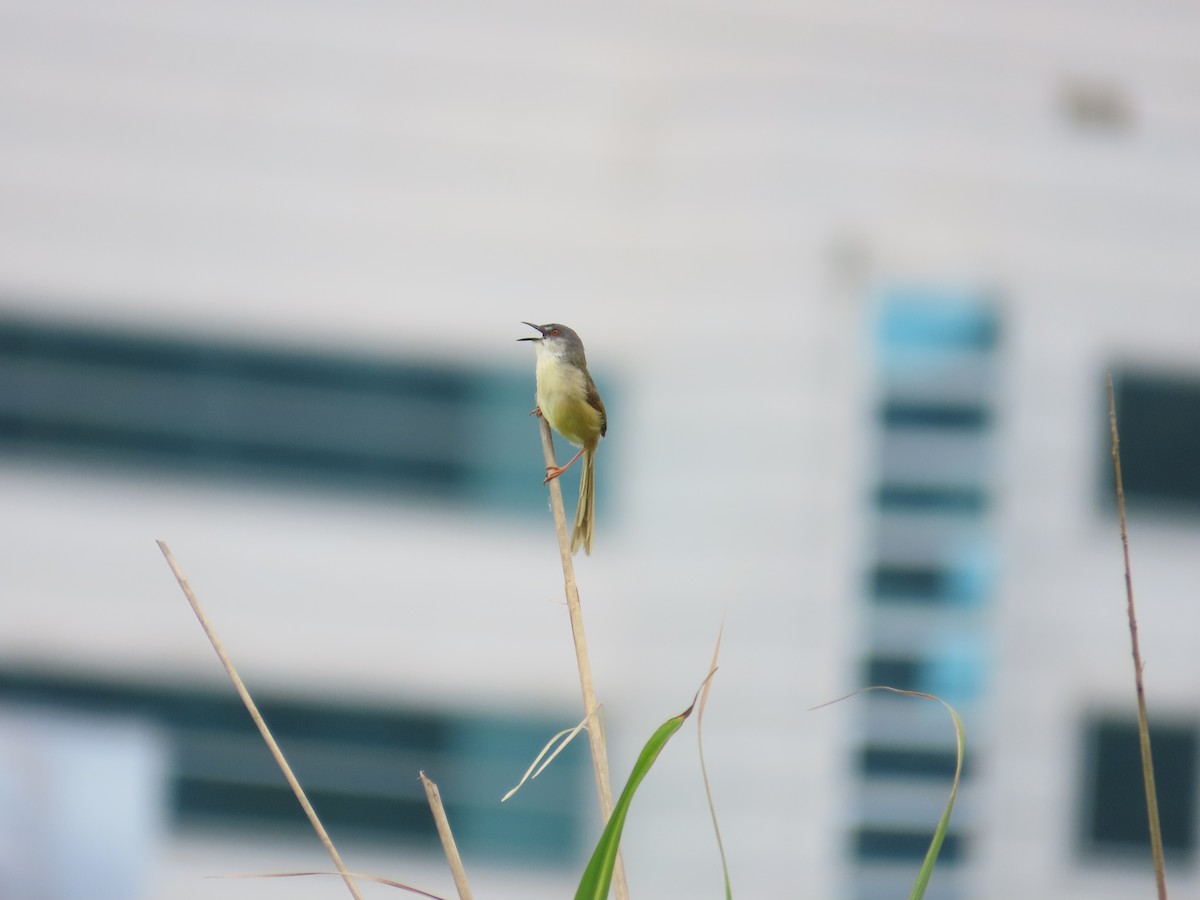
x,y
568,399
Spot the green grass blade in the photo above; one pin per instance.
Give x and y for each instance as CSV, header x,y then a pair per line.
x,y
598,874
939,835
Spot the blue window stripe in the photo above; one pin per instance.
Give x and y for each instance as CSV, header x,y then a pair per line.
x,y
896,414
921,498
1159,415
89,396
955,667
919,320
358,764
895,844
903,672
907,762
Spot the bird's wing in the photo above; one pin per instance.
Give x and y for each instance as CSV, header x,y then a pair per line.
x,y
593,398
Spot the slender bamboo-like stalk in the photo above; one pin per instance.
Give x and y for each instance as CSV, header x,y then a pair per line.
x,y
434,796
252,708
595,729
1156,844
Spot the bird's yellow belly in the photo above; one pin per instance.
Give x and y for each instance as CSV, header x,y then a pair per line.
x,y
562,398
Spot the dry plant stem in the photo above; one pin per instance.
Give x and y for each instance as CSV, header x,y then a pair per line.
x,y
595,731
712,807
443,828
258,720
1156,845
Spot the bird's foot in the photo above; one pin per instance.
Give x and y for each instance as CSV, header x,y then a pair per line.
x,y
553,472
536,411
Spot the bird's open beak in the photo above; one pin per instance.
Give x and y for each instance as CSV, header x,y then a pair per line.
x,y
538,327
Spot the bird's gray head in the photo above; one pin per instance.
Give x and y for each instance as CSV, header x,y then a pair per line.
x,y
558,340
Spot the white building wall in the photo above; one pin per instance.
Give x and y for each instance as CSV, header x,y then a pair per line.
x,y
707,192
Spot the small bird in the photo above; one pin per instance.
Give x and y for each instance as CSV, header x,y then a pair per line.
x,y
568,399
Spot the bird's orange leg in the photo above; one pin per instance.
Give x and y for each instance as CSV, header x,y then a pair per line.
x,y
553,472
536,411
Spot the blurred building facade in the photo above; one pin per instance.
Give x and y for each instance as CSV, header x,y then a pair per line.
x,y
850,280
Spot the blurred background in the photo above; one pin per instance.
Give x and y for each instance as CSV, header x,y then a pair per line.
x,y
850,277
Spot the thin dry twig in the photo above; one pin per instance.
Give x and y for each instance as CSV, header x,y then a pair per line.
x,y
591,707
252,708
361,876
1156,845
443,828
554,746
712,808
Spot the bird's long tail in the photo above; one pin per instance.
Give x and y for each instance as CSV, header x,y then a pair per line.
x,y
585,511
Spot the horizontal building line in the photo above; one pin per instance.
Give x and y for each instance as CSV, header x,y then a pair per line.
x,y
950,417
896,761
932,498
903,844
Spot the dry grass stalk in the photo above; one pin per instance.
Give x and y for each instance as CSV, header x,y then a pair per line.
x,y
252,708
1156,845
443,828
595,730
